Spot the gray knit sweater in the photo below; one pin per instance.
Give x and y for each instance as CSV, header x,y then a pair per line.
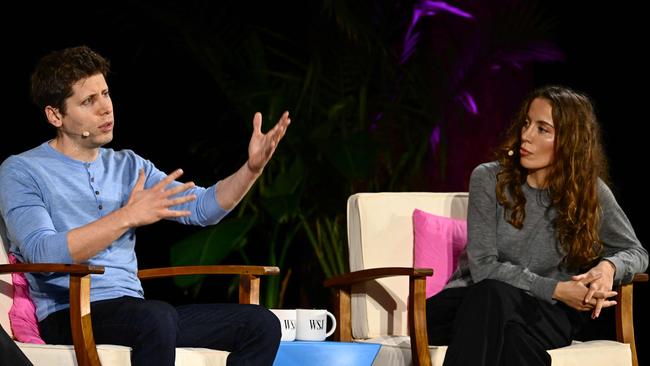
x,y
530,258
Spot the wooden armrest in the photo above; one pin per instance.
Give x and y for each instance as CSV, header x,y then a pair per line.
x,y
416,305
624,313
79,269
249,281
375,273
80,322
145,274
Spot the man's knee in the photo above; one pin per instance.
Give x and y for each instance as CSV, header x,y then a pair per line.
x,y
265,320
156,319
262,323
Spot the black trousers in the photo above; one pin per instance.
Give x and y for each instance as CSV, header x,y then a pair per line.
x,y
10,354
153,329
492,323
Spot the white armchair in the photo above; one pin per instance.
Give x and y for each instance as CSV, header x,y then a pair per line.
x,y
382,300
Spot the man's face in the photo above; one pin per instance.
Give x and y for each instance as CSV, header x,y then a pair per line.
x,y
89,111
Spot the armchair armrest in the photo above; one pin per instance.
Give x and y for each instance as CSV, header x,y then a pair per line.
x,y
416,305
80,322
352,278
81,269
624,313
249,281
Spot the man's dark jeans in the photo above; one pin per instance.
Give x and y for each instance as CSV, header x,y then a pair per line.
x,y
153,329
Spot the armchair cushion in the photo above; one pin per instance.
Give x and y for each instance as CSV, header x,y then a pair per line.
x,y
22,314
114,355
437,243
397,351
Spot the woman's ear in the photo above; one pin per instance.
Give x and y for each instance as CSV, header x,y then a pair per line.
x,y
54,117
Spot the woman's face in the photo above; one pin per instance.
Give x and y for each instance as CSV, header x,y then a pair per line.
x,y
538,142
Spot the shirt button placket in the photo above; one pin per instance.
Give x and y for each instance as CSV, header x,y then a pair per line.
x,y
92,186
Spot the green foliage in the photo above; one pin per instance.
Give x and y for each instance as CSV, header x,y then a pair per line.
x,y
209,246
328,244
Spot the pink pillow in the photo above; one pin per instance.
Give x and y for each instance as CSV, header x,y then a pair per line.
x,y
23,312
437,243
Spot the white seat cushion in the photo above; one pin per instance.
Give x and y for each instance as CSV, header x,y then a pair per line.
x,y
397,351
592,353
112,355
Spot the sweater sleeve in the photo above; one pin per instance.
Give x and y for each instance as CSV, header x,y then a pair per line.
x,y
482,252
29,225
621,246
205,210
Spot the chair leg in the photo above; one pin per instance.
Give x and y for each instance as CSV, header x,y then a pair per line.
x,y
418,322
82,330
625,320
342,312
249,289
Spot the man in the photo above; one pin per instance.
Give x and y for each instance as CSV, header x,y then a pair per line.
x,y
70,200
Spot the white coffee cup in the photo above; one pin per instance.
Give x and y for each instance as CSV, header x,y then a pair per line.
x,y
312,324
287,323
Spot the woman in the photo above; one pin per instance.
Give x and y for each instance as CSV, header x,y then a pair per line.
x,y
546,241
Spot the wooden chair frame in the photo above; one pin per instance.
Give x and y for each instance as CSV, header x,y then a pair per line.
x,y
417,308
80,320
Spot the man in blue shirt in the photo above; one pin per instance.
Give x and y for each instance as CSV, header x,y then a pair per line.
x,y
70,200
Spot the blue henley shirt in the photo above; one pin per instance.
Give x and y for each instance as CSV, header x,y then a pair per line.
x,y
45,194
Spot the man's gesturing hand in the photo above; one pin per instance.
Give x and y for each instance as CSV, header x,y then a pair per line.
x,y
262,145
146,206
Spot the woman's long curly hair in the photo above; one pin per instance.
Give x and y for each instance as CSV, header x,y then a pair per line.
x,y
572,181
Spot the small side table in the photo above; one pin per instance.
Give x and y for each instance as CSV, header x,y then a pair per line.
x,y
300,353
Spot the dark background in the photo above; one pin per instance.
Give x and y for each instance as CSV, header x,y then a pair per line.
x,y
162,97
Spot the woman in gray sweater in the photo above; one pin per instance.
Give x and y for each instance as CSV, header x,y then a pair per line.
x,y
546,241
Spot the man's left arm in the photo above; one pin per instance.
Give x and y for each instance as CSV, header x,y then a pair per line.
x,y
261,147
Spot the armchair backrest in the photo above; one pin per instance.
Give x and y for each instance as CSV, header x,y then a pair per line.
x,y
380,234
6,284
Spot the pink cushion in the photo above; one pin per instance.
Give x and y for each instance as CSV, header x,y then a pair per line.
x,y
437,243
23,312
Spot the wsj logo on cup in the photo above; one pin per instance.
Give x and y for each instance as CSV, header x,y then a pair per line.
x,y
287,323
312,324
316,324
305,324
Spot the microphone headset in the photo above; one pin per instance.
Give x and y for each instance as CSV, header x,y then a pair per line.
x,y
84,134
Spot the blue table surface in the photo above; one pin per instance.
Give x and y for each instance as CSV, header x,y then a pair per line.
x,y
300,353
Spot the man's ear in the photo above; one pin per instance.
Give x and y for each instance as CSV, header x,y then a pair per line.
x,y
54,117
